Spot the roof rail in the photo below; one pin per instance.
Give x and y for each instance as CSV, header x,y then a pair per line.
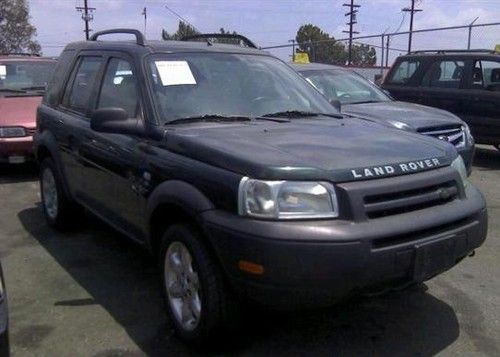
x,y
227,36
139,37
453,51
20,54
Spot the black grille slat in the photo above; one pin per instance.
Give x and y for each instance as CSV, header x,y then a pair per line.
x,y
455,134
387,204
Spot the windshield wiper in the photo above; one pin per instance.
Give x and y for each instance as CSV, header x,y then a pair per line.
x,y
35,88
365,102
210,117
300,114
9,90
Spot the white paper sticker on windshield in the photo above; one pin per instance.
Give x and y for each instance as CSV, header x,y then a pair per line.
x,y
3,71
174,73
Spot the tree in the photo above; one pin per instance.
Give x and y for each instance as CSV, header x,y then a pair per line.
x,y
325,49
16,32
183,30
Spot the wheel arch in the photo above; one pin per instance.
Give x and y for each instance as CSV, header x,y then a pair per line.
x,y
174,202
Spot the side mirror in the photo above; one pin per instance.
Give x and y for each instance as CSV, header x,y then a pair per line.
x,y
115,121
336,103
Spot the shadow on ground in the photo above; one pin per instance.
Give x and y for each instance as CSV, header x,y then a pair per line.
x,y
122,278
18,173
487,158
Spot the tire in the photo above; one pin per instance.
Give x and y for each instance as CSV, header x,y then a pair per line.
x,y
59,210
207,315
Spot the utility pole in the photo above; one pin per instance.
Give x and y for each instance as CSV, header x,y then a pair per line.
x,y
353,10
412,11
87,16
292,41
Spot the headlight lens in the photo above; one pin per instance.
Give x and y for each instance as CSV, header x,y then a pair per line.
x,y
287,199
12,132
468,135
458,164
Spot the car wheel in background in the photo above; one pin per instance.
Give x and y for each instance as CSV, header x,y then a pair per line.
x,y
194,291
60,212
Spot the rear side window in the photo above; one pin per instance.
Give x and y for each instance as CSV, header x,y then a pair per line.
x,y
81,87
444,74
119,88
56,83
403,71
486,74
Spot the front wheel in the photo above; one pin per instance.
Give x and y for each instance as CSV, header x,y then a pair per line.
x,y
194,291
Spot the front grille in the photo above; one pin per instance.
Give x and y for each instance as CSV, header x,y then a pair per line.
x,y
392,203
454,134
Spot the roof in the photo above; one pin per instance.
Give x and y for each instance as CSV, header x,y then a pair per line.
x,y
164,46
25,58
452,53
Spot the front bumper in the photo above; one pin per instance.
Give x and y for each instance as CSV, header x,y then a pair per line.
x,y
16,150
315,263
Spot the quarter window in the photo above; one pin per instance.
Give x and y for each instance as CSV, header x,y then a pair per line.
x,y
486,74
444,74
404,71
119,88
83,83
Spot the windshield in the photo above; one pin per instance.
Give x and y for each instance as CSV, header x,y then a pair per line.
x,y
196,84
25,75
345,86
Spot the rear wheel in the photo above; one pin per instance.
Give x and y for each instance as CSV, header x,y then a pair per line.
x,y
194,291
60,212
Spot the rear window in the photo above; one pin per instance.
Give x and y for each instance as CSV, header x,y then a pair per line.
x,y
25,75
444,74
403,71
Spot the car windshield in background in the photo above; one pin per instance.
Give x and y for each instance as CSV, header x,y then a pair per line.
x,y
345,86
198,84
23,76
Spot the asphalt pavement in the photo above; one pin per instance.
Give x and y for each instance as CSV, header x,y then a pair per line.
x,y
91,292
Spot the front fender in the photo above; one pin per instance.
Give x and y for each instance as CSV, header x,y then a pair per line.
x,y
181,194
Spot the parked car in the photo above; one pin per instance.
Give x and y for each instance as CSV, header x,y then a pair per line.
x,y
359,97
243,180
466,83
23,79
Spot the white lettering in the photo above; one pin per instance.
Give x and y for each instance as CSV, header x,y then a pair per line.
x,y
403,167
421,164
435,161
355,174
389,169
368,173
412,166
378,171
428,163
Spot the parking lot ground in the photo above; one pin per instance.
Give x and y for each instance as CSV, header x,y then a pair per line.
x,y
93,293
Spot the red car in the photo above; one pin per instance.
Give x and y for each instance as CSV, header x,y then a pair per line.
x,y
23,79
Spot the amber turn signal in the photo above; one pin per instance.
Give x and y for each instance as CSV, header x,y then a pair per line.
x,y
249,267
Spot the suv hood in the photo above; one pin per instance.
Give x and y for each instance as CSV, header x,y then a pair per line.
x,y
19,111
337,150
416,116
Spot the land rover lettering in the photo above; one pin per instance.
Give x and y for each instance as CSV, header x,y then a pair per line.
x,y
387,170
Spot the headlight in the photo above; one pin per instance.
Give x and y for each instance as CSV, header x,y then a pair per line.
x,y
12,132
468,135
458,164
287,199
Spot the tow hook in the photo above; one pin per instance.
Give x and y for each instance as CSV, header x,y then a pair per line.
x,y
471,254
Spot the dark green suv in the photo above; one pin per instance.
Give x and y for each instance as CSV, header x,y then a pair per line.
x,y
242,179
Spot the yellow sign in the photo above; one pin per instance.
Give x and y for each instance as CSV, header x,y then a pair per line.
x,y
301,58
497,48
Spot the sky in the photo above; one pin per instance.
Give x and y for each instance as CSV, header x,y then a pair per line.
x,y
272,22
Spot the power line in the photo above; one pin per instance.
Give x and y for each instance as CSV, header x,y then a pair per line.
x,y
87,16
181,18
352,20
412,11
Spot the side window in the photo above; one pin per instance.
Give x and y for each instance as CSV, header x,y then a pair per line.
x,y
78,96
486,74
55,86
119,88
444,74
404,71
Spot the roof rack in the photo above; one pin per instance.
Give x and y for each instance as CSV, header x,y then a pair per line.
x,y
20,54
139,37
227,36
453,51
